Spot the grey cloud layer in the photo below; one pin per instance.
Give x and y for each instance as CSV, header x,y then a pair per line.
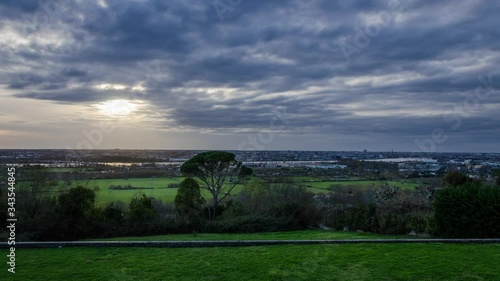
x,y
201,72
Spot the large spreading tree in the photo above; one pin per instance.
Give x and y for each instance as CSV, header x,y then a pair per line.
x,y
218,172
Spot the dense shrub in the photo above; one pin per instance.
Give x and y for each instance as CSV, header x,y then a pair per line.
x,y
471,210
76,213
189,203
141,210
110,219
405,211
249,223
294,205
455,178
497,177
3,208
296,215
384,209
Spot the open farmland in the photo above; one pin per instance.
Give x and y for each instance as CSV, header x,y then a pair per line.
x,y
157,187
363,184
137,182
165,194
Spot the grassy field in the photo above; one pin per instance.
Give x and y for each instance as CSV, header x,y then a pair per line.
x,y
105,196
359,184
137,182
286,262
165,194
156,187
284,235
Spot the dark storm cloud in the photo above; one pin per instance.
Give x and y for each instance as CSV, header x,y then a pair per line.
x,y
64,96
24,6
204,71
73,72
22,81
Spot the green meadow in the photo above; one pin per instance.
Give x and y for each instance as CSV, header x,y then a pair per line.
x,y
157,187
104,196
359,184
154,187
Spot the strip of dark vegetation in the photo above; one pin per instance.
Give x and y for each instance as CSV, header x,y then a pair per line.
x,y
127,187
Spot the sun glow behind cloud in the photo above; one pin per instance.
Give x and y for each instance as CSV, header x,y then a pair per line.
x,y
118,108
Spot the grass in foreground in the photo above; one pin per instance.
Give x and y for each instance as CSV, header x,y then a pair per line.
x,y
305,262
284,235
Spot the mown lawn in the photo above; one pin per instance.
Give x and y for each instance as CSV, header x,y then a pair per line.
x,y
298,262
283,235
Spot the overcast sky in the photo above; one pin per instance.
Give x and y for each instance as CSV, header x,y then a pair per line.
x,y
251,74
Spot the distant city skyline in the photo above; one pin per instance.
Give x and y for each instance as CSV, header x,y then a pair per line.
x,y
414,76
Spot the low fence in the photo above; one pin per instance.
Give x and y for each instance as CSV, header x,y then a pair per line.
x,y
235,243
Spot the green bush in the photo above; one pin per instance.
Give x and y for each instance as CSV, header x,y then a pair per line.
x,y
455,178
189,203
385,210
141,210
301,215
3,208
76,213
173,185
471,210
249,223
496,175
